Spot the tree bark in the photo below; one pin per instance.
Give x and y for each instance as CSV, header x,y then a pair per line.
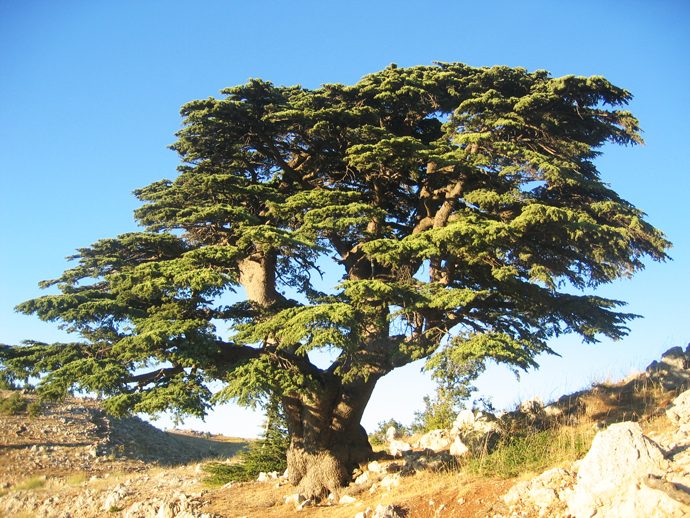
x,y
258,278
327,440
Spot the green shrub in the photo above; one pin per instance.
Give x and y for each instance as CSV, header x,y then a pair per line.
x,y
267,454
34,409
13,405
439,412
378,436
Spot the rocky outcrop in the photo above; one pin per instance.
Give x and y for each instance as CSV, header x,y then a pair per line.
x,y
673,369
77,436
625,473
435,440
545,495
610,478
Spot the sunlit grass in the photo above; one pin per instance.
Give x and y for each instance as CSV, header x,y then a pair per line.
x,y
30,484
533,452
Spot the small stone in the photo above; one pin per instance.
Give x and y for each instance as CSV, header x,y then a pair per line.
x,y
295,498
375,467
363,478
390,481
347,499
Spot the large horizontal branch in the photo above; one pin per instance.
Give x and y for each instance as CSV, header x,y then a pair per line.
x,y
153,376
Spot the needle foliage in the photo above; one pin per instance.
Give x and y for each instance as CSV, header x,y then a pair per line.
x,y
463,207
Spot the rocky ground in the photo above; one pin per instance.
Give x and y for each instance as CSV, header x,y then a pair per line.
x,y
72,460
626,472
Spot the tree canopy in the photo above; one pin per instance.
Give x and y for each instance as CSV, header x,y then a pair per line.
x,y
462,206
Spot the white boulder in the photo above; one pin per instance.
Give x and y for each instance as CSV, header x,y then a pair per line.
x,y
610,479
396,447
435,440
458,448
679,411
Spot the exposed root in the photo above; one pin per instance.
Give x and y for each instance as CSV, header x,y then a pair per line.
x,y
316,474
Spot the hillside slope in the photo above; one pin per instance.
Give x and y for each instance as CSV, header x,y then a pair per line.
x,y
72,460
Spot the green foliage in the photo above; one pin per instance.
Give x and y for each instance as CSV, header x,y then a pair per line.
x,y
267,454
463,207
378,436
34,409
439,411
13,404
6,384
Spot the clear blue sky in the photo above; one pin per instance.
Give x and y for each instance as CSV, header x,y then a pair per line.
x,y
89,100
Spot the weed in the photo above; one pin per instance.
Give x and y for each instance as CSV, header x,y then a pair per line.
x,y
13,405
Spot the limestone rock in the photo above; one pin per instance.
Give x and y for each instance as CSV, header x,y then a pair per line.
x,y
679,411
391,433
467,423
609,479
390,481
435,440
362,479
375,467
347,499
673,370
544,495
533,406
458,448
266,477
396,447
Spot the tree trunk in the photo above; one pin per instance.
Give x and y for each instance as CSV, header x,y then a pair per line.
x,y
327,439
258,277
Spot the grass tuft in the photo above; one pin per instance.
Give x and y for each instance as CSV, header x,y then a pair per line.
x,y
30,484
533,452
77,479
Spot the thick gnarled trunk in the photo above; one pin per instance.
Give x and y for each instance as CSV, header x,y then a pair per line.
x,y
327,440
